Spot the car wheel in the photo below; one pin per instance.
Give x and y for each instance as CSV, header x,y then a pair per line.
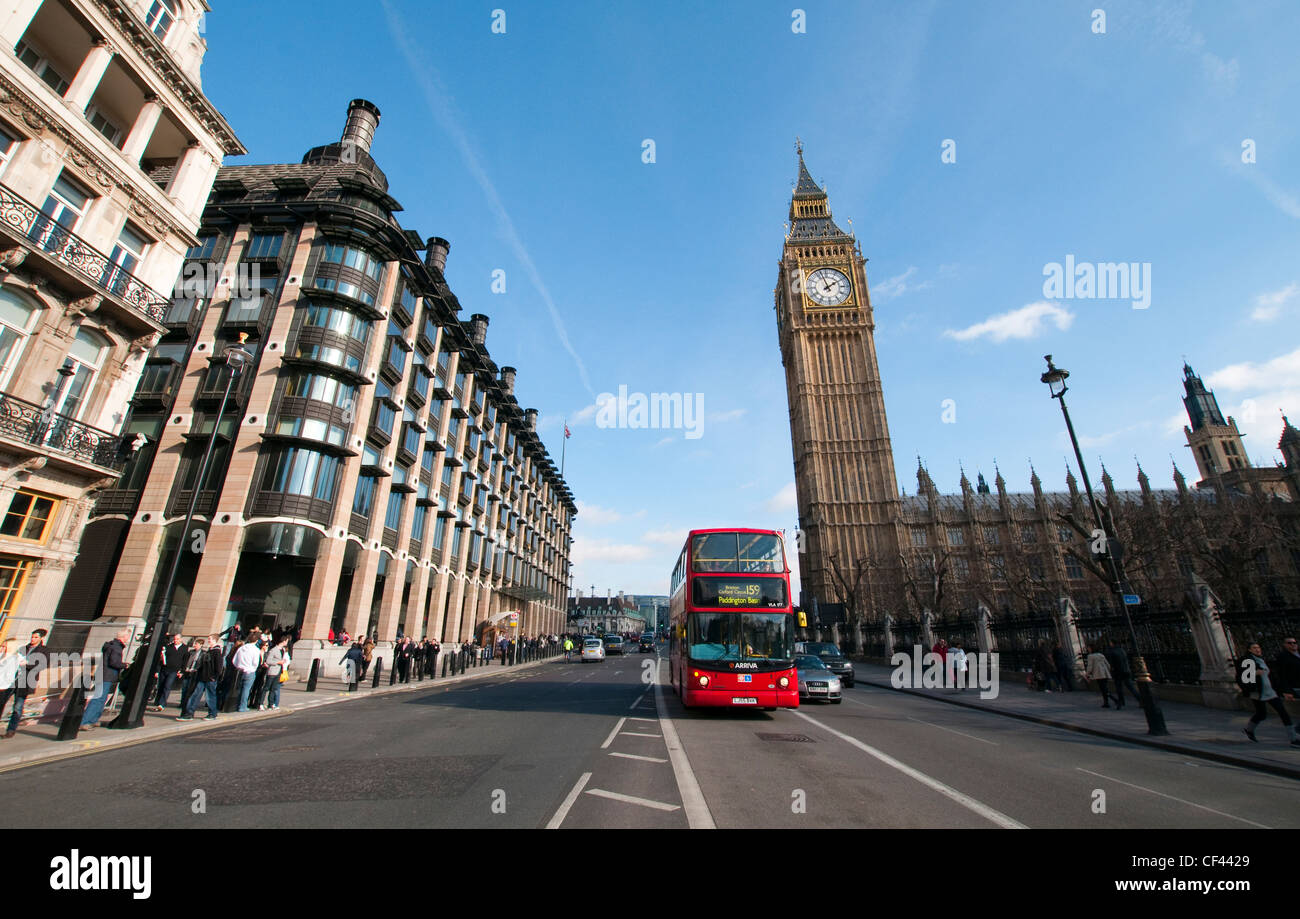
x,y
849,684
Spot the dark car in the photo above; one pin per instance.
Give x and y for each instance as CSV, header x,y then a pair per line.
x,y
647,642
831,656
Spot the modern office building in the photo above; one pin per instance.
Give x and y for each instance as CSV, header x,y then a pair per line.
x,y
373,471
108,150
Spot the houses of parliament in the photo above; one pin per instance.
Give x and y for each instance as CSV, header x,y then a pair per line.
x,y
869,551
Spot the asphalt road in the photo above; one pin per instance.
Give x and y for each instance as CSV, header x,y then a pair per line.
x,y
595,745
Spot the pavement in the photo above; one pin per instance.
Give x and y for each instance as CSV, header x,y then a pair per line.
x,y
1194,730
37,742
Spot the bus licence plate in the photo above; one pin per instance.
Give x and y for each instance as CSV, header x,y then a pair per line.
x,y
739,700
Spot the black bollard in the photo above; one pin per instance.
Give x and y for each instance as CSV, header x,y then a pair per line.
x,y
71,722
445,658
379,669
314,676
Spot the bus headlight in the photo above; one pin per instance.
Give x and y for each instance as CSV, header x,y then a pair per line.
x,y
785,681
704,681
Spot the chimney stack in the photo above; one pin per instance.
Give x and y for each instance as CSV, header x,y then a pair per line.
x,y
478,324
508,380
530,419
363,119
436,256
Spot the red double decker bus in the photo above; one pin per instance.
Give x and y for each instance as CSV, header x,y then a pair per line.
x,y
733,628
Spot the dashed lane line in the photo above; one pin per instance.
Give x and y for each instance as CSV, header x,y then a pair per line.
x,y
636,734
993,743
1172,798
563,812
632,799
978,807
612,734
648,759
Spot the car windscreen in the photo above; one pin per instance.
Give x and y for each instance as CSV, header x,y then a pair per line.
x,y
808,662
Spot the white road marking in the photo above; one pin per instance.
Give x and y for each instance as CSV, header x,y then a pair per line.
x,y
632,799
1172,798
639,698
568,802
863,704
993,743
698,816
648,759
947,791
635,734
612,734
634,718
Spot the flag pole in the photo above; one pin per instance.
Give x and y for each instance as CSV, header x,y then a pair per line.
x,y
564,444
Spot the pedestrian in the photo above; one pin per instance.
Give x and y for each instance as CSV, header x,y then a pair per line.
x,y
189,673
402,659
1064,668
1121,674
354,663
1286,669
171,659
246,660
12,664
1097,671
207,674
956,666
367,655
38,659
1253,677
229,675
277,666
1044,668
111,665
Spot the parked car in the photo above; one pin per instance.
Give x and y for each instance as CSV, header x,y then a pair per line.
x,y
592,650
613,644
816,680
831,656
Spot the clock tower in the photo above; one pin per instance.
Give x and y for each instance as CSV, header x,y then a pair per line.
x,y
843,459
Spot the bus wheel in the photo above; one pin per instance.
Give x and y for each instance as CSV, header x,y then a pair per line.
x,y
769,708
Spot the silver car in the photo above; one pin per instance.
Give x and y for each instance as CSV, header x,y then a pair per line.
x,y
816,681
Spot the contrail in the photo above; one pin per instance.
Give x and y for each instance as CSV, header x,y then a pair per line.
x,y
435,93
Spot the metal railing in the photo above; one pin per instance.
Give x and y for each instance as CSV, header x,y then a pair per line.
x,y
29,423
67,247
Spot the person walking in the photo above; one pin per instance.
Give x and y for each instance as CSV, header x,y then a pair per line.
x,y
1253,677
277,663
1121,674
1097,671
12,672
957,664
1064,668
207,674
111,666
246,660
171,659
37,660
1044,668
189,673
1286,669
355,662
367,655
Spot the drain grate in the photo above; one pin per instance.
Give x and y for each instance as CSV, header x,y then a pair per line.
x,y
785,738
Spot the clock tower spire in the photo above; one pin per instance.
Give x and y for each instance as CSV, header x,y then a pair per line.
x,y
843,458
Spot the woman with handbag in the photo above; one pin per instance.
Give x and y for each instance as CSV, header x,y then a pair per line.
x,y
277,671
1098,671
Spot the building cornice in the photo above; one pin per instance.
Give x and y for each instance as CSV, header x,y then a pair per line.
x,y
148,46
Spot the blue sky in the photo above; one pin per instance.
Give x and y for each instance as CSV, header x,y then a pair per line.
x,y
525,150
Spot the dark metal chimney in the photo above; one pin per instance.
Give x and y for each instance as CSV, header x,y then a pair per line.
x,y
508,380
363,119
478,324
530,419
436,256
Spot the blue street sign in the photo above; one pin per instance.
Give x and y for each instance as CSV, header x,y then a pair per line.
x,y
1132,600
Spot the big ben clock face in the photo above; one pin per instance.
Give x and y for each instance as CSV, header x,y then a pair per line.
x,y
828,287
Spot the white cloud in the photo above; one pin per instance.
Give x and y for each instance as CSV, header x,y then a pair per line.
x,y
664,440
1268,306
897,286
1101,440
1255,394
1283,370
602,550
727,416
667,536
1026,322
784,500
599,516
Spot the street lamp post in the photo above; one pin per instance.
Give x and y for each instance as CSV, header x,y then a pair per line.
x,y
1055,380
132,714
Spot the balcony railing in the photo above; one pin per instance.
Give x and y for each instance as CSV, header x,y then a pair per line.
x,y
29,423
63,245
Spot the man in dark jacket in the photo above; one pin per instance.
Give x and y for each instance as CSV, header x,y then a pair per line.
x,y
110,671
211,665
1121,674
1286,669
38,659
1064,668
171,658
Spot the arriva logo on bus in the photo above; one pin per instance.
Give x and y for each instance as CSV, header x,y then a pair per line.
x,y
927,670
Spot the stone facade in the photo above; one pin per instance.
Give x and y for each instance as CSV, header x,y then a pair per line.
x,y
108,149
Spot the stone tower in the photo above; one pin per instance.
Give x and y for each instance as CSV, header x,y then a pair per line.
x,y
1215,441
843,460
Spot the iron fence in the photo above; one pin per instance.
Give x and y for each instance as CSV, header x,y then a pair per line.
x,y
29,423
1017,636
1167,644
1268,627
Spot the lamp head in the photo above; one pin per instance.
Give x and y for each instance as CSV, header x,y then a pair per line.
x,y
1054,378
